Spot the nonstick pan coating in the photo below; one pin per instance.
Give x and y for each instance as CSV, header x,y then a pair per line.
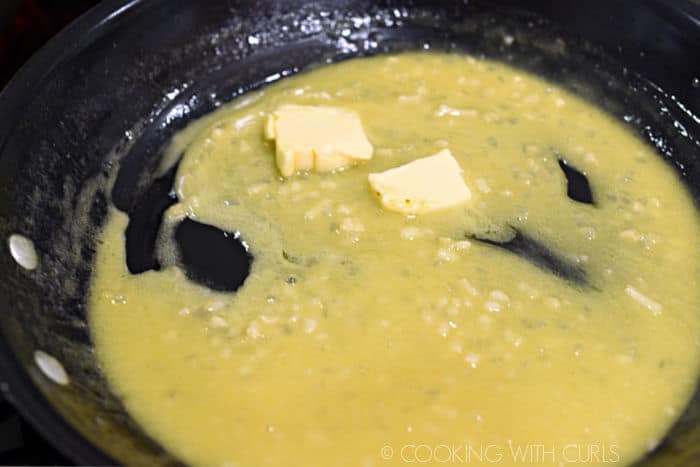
x,y
83,124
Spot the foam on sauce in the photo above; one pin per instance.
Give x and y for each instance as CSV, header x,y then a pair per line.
x,y
360,328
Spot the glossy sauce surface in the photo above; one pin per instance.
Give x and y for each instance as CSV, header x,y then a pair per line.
x,y
359,328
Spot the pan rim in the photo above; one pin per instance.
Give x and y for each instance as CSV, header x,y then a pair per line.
x,y
15,382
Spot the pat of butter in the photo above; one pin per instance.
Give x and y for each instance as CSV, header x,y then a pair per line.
x,y
316,138
421,186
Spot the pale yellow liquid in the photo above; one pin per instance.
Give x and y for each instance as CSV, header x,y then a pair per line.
x,y
397,339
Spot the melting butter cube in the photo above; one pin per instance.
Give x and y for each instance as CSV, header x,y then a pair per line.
x,y
316,138
421,186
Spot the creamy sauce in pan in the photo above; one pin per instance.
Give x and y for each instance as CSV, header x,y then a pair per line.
x,y
365,337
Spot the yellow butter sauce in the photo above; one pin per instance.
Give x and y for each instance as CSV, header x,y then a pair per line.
x,y
401,334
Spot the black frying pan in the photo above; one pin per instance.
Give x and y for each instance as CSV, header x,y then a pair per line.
x,y
110,90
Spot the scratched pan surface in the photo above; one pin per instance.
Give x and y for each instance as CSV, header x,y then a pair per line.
x,y
83,124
